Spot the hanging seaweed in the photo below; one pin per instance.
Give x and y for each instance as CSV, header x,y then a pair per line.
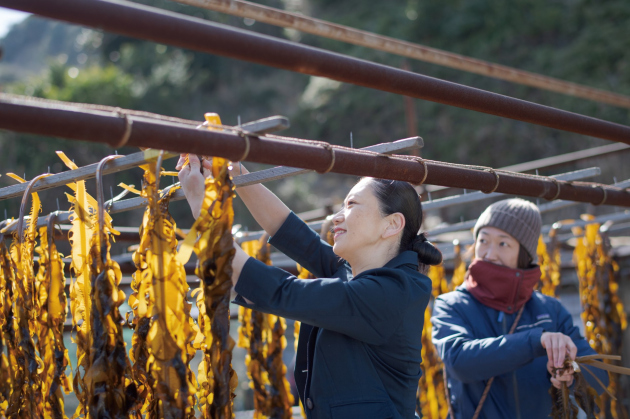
x,y
7,329
281,397
603,313
164,320
615,317
562,407
549,261
459,267
141,303
430,397
251,333
51,295
83,209
211,240
263,335
26,398
108,378
102,379
586,397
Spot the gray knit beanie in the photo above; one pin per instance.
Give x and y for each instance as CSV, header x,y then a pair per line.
x,y
517,217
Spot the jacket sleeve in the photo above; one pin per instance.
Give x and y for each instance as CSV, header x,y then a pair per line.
x,y
299,242
368,308
566,326
468,359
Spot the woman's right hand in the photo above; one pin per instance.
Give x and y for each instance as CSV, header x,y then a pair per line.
x,y
558,346
193,180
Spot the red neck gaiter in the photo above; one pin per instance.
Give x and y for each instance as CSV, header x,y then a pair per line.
x,y
500,287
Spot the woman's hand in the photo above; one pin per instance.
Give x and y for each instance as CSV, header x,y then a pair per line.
x,y
557,380
193,180
558,346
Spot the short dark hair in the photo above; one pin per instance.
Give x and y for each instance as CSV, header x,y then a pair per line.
x,y
398,196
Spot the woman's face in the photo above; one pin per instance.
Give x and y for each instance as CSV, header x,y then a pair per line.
x,y
359,224
496,246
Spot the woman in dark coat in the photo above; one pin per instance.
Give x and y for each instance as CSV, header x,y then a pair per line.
x,y
360,342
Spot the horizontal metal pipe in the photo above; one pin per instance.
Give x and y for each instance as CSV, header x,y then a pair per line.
x,y
441,203
96,126
174,29
116,206
127,162
274,173
281,172
354,36
558,160
479,196
550,206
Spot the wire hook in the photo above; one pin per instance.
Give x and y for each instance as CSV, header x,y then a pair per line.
x,y
247,145
27,193
126,132
332,157
605,194
426,171
555,181
100,199
496,185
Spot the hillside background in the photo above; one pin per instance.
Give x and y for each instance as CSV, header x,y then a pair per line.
x,y
582,41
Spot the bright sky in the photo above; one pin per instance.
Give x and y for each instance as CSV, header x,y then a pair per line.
x,y
7,18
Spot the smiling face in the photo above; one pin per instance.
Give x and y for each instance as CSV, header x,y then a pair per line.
x,y
359,227
496,246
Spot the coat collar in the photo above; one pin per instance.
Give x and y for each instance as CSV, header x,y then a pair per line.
x,y
404,258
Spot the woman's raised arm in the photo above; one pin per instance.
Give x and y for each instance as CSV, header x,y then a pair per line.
x,y
268,210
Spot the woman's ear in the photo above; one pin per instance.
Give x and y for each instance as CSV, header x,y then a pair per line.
x,y
395,225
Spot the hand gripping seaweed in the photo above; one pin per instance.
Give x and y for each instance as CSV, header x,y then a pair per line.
x,y
162,348
586,397
211,240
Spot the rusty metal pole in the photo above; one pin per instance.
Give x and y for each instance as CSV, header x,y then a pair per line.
x,y
111,128
354,36
183,31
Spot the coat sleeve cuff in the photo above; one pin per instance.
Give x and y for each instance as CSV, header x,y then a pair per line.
x,y
534,341
239,300
248,284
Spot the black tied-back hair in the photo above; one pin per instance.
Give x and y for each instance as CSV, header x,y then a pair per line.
x,y
398,196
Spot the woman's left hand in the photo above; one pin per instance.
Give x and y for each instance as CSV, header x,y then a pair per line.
x,y
193,180
566,376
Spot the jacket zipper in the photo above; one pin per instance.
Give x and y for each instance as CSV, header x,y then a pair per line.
x,y
514,382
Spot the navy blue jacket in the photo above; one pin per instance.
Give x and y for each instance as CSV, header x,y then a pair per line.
x,y
360,341
472,340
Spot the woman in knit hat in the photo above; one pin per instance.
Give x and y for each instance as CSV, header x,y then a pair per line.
x,y
496,325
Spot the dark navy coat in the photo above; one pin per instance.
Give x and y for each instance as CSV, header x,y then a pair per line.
x,y
472,340
359,349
